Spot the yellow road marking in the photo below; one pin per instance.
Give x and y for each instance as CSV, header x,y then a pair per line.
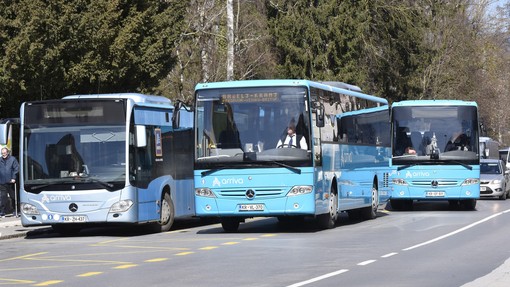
x,y
208,248
250,239
268,235
125,266
15,281
88,274
48,283
23,256
109,241
184,253
156,260
230,243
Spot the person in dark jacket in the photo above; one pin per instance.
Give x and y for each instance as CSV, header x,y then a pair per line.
x,y
8,170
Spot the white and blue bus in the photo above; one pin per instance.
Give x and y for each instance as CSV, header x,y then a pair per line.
x,y
244,167
435,152
105,159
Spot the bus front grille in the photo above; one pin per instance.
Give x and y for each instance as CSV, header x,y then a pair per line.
x,y
262,192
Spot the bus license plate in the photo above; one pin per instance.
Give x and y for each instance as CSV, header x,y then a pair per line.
x,y
251,207
75,218
435,194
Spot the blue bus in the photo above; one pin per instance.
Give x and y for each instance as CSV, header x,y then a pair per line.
x,y
105,159
244,167
435,152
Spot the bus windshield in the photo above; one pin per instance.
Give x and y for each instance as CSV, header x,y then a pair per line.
x,y
435,133
250,126
84,146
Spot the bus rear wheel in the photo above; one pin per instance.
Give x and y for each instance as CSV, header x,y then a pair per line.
x,y
167,213
370,212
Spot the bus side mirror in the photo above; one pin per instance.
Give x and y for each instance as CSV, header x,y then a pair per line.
x,y
319,114
320,117
176,118
141,136
4,134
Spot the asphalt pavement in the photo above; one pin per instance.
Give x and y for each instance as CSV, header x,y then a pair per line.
x,y
11,227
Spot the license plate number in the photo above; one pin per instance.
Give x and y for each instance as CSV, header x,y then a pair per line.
x,y
435,194
483,188
74,218
251,207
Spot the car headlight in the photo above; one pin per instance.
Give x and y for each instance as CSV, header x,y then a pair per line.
x,y
496,181
121,206
29,209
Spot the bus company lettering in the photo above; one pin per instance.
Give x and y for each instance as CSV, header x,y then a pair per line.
x,y
59,197
346,157
417,174
224,181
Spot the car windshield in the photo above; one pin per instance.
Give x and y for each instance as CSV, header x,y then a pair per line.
x,y
490,168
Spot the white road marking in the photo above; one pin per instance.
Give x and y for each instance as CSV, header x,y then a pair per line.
x,y
302,283
322,277
456,231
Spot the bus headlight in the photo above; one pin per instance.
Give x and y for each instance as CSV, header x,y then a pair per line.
x,y
29,209
205,192
299,190
471,181
121,206
399,181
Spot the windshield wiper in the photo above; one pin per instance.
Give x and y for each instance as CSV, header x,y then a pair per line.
x,y
210,171
467,166
263,163
291,168
40,187
104,184
405,166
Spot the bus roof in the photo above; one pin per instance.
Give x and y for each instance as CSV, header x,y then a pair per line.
x,y
337,87
434,103
139,99
363,111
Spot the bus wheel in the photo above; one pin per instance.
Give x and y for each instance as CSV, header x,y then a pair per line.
x,y
468,204
328,220
230,224
167,213
370,212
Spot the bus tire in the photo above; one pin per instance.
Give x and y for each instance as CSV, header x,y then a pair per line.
x,y
328,220
230,224
468,204
167,213
370,212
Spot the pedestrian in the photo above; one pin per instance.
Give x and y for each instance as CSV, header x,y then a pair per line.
x,y
8,171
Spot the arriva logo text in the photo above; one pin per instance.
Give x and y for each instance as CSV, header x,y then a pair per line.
x,y
224,181
60,197
417,174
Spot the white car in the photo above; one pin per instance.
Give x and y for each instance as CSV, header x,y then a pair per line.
x,y
494,179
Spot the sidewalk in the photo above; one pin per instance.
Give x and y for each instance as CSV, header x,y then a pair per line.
x,y
10,227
